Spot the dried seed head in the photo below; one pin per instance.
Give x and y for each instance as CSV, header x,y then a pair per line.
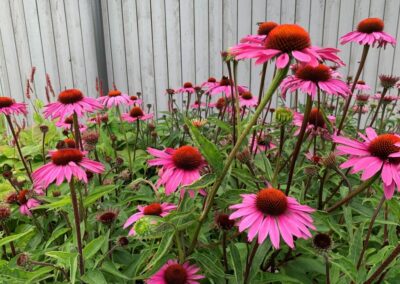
x,y
322,241
224,222
330,160
5,211
388,81
244,156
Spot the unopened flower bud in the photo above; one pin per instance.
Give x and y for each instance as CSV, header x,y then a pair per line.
x,y
244,156
311,170
56,193
107,217
283,115
123,241
322,241
329,161
224,222
44,128
5,211
23,259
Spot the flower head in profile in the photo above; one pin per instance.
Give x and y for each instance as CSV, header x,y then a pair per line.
x,y
308,79
134,100
369,32
115,98
179,166
316,122
65,164
362,86
26,202
387,99
377,154
69,102
282,43
262,144
211,82
68,124
247,99
225,86
360,109
388,81
271,213
153,209
186,88
174,273
136,113
264,29
8,106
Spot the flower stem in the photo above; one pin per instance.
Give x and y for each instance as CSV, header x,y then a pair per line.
x,y
28,172
7,233
136,139
232,155
299,142
77,225
382,123
378,107
224,255
371,224
328,278
250,262
78,140
355,192
235,113
126,139
43,154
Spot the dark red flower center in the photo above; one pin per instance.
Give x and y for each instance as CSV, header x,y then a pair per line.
x,y
224,222
70,143
107,217
265,28
134,98
322,241
316,118
153,209
114,93
6,102
69,120
384,145
136,112
225,81
187,158
175,274
362,98
211,80
188,85
70,96
247,96
287,38
315,74
22,196
220,103
360,82
271,201
63,156
370,25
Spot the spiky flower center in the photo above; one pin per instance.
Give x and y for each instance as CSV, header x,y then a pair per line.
x,y
316,74
322,241
247,96
362,97
211,80
107,217
153,209
22,196
266,27
224,222
175,274
114,93
136,112
133,98
70,96
187,158
225,81
221,103
384,145
370,25
62,157
70,143
6,102
188,85
287,38
360,82
316,118
271,201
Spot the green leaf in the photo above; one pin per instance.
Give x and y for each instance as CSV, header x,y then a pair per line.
x,y
98,193
94,277
277,277
162,250
57,233
209,265
207,148
236,263
14,237
92,247
110,268
61,256
55,204
203,182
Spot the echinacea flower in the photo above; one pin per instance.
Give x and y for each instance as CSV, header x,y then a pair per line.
x,y
225,86
264,29
174,273
360,109
179,166
134,100
197,105
262,144
153,209
26,202
247,99
388,81
187,88
8,106
107,217
115,98
68,124
271,212
220,104
376,154
211,82
316,123
69,102
136,113
308,79
369,32
362,86
387,99
65,164
282,43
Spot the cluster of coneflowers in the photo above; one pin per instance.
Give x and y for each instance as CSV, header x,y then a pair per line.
x,y
269,212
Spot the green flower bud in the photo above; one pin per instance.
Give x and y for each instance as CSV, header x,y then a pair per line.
x,y
283,115
145,226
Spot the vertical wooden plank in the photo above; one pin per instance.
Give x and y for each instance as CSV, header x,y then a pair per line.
x,y
317,21
201,39
396,58
76,47
89,45
273,11
146,50
215,36
346,25
48,43
107,43
331,23
288,11
244,28
10,52
188,48
303,13
132,46
35,46
62,44
115,21
160,53
229,25
4,81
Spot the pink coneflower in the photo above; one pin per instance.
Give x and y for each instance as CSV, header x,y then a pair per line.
x,y
282,43
197,105
263,30
174,273
309,79
153,209
316,123
179,166
225,86
386,99
26,202
220,104
136,113
262,144
114,98
362,86
362,98
187,88
68,122
99,118
247,100
271,212
69,102
377,153
65,164
369,32
134,100
8,106
359,108
211,82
